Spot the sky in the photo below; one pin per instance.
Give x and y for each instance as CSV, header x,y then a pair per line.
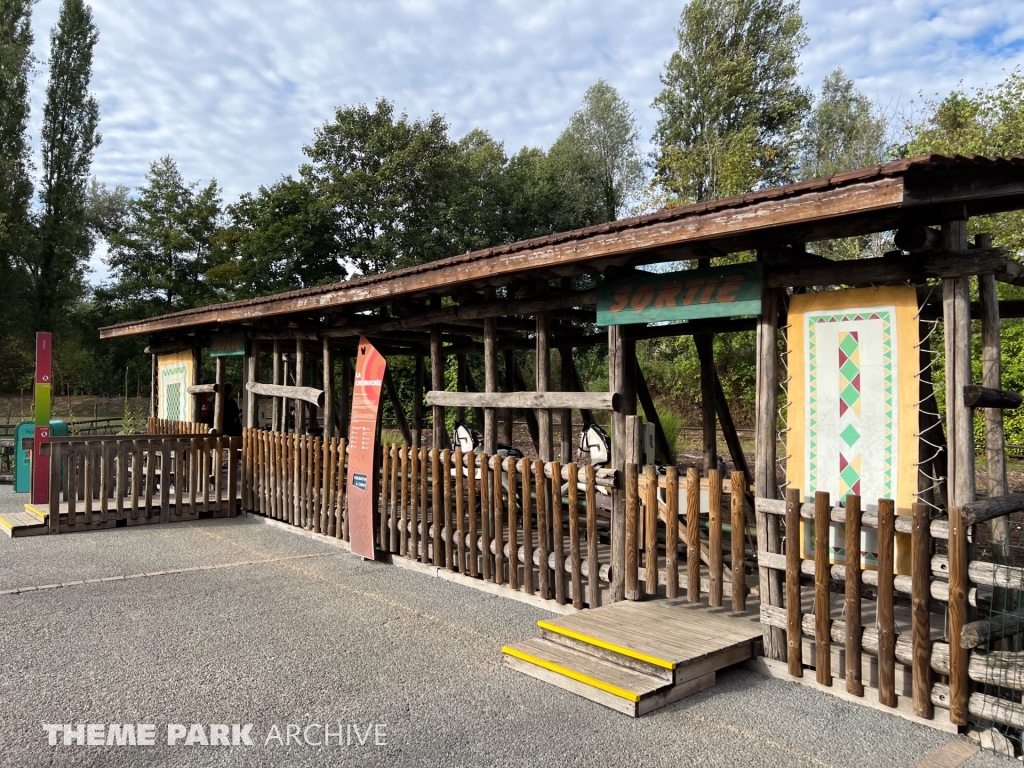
x,y
233,89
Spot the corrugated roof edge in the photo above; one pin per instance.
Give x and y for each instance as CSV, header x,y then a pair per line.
x,y
895,168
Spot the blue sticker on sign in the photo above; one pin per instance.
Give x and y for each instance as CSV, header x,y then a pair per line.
x,y
359,481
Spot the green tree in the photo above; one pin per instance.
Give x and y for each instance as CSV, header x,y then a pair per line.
x,y
604,130
389,184
160,255
988,121
844,130
68,140
279,239
731,108
16,224
16,63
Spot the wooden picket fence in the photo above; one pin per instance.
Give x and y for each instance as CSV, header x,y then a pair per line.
x,y
103,482
299,479
155,426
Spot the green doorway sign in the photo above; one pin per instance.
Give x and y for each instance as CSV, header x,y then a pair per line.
x,y
726,291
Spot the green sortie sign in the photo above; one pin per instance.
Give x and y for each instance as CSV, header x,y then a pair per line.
x,y
726,291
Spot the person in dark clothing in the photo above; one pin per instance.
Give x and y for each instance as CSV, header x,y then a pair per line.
x,y
232,414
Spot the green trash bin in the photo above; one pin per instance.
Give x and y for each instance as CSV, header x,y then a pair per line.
x,y
24,442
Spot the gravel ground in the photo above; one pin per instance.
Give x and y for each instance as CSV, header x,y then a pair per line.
x,y
327,637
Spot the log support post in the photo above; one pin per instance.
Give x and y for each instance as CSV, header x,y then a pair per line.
x,y
621,381
300,381
460,383
252,375
991,377
218,397
417,402
765,484
277,421
345,395
437,364
197,379
154,385
705,353
543,369
328,390
490,381
510,386
565,416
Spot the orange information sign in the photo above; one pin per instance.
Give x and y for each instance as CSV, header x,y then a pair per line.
x,y
363,443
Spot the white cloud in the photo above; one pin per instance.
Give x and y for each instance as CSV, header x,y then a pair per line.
x,y
233,89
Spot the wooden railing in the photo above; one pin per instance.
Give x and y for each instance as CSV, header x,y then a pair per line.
x,y
542,528
665,522
105,480
526,525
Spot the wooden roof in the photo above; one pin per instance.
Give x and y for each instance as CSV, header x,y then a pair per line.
x,y
922,190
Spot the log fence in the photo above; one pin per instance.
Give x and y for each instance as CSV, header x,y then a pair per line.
x,y
903,638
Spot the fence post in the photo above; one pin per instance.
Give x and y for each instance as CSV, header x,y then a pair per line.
x,y
958,681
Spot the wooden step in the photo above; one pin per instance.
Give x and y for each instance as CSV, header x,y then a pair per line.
x,y
581,673
22,524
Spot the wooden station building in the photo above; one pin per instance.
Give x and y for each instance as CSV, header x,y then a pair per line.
x,y
851,452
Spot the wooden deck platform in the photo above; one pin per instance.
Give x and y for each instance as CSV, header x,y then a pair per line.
x,y
33,520
638,657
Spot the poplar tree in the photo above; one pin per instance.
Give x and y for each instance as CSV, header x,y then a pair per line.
x,y
68,140
15,160
731,108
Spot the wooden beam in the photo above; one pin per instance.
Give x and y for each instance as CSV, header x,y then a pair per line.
x,y
478,412
947,264
991,398
309,395
915,237
664,451
690,328
396,403
598,401
203,389
288,335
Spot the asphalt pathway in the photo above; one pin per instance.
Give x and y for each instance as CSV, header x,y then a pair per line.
x,y
237,622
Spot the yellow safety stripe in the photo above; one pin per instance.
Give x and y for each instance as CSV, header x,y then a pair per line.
x,y
37,512
615,690
620,649
5,524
